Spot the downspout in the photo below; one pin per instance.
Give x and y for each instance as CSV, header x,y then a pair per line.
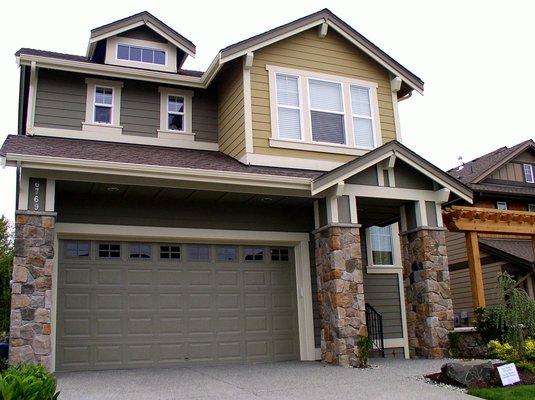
x,y
405,97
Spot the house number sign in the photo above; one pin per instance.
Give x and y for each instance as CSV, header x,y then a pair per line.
x,y
36,197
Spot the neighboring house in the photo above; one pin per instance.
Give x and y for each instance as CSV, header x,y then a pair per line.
x,y
503,179
246,213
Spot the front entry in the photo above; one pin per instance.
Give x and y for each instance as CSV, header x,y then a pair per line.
x,y
126,304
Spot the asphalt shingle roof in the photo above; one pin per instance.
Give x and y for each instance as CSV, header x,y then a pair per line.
x,y
519,248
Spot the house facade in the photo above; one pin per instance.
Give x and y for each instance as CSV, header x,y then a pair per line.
x,y
261,210
501,180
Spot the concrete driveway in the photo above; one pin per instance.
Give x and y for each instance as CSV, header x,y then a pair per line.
x,y
392,379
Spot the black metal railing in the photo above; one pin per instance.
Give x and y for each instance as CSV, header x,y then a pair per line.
x,y
374,322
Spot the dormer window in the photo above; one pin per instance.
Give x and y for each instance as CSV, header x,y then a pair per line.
x,y
318,112
140,54
103,105
528,173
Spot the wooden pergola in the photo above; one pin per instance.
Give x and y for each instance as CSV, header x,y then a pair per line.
x,y
473,221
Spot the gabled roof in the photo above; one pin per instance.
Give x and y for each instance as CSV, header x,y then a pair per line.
x,y
519,251
393,148
315,19
140,19
473,172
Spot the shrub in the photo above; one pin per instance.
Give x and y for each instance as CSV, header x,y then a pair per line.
x,y
529,349
6,262
503,351
525,366
488,322
365,345
455,344
28,382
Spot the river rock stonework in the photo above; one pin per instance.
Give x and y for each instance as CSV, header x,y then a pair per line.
x,y
427,292
340,294
29,336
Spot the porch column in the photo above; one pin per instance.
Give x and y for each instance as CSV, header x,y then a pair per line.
x,y
474,266
427,291
340,293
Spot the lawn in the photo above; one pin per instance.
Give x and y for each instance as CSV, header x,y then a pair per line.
x,y
522,392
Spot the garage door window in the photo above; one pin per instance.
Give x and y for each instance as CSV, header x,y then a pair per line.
x,y
140,250
77,248
279,255
253,253
227,253
198,253
109,250
170,252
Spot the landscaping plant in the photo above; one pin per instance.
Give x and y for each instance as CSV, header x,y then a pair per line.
x,y
455,342
6,263
27,382
365,345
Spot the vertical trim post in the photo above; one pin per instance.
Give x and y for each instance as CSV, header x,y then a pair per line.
x,y
474,266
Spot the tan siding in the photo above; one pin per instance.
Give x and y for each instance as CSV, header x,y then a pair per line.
x,y
461,291
231,121
512,172
456,246
332,55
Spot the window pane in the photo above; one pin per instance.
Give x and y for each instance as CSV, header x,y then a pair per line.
x,y
122,52
140,251
175,122
381,243
147,55
289,123
83,249
198,253
327,127
103,95
279,255
326,96
253,253
287,90
107,250
170,252
135,54
226,253
528,172
103,114
363,130
159,57
175,104
360,101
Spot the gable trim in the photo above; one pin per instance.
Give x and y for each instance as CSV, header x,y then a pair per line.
x,y
488,172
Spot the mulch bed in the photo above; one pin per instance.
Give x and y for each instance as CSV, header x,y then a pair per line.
x,y
526,378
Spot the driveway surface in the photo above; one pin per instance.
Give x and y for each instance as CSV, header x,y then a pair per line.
x,y
388,379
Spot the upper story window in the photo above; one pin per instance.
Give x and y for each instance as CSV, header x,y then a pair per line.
x,y
103,105
175,113
528,173
501,205
140,54
381,245
319,112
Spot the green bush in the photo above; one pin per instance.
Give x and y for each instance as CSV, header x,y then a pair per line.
x,y
503,351
529,349
365,345
488,323
27,382
526,366
6,263
455,344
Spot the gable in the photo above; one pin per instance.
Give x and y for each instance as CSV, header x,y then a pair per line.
x,y
513,170
143,33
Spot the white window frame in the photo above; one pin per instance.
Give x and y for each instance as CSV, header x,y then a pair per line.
x,y
164,131
300,108
96,104
307,143
396,251
343,113
152,48
529,167
503,204
371,117
112,49
89,125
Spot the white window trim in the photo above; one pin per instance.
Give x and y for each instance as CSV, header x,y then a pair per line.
x,y
502,202
170,53
164,132
372,117
89,125
300,108
152,48
110,106
396,252
530,167
307,143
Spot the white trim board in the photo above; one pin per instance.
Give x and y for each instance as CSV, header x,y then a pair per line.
x,y
298,240
289,162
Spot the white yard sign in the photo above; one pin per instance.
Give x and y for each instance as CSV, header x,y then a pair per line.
x,y
508,374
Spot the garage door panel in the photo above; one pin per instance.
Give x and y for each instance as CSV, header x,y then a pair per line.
x,y
124,313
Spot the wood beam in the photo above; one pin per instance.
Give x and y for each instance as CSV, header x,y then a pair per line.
x,y
474,266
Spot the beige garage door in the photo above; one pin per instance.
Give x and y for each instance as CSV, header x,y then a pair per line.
x,y
125,305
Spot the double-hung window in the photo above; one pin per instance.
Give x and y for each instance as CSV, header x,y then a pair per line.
x,y
103,105
288,107
381,245
361,110
528,173
175,113
327,111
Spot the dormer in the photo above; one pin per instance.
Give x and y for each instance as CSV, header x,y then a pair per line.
x,y
140,41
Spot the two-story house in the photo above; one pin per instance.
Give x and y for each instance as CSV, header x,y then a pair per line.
x,y
261,210
504,180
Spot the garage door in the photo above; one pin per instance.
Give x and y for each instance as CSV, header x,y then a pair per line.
x,y
125,305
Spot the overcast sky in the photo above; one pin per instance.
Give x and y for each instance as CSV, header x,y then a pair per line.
x,y
476,58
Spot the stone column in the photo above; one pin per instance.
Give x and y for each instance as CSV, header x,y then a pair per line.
x,y
427,291
340,293
29,336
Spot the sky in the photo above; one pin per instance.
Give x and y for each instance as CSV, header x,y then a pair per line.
x,y
475,57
